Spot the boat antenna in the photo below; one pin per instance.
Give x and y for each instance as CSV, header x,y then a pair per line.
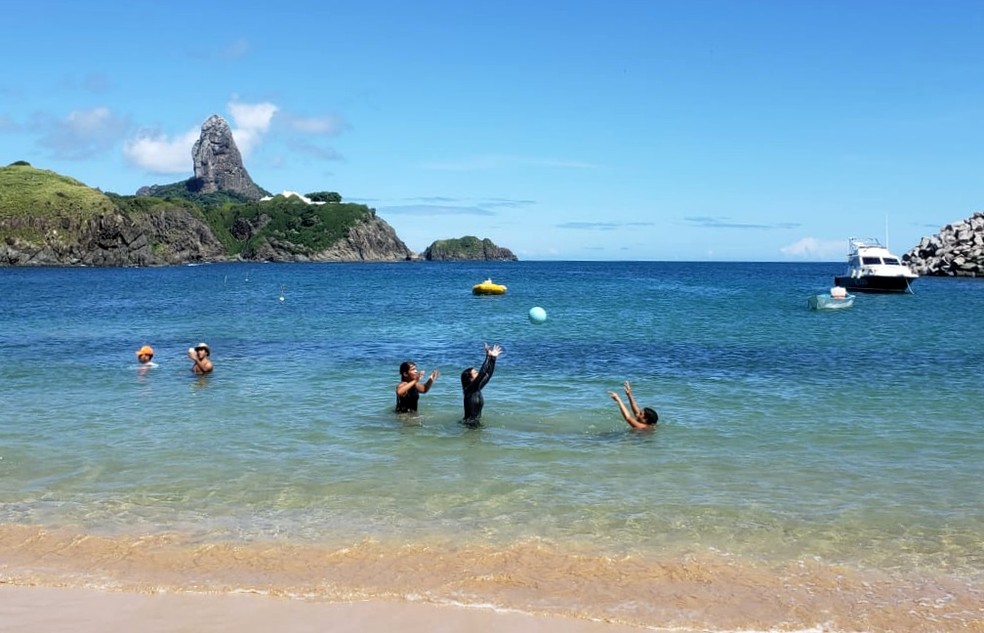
x,y
886,232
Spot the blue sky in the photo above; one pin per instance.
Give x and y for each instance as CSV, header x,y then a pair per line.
x,y
618,130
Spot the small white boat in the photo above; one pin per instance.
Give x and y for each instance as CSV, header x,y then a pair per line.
x,y
836,299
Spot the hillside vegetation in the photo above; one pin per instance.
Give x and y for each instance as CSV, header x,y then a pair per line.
x,y
38,206
468,247
242,227
29,197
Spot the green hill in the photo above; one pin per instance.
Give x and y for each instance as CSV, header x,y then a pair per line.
x,y
289,222
48,219
29,196
467,248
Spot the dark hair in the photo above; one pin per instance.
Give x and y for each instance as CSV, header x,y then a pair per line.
x,y
405,366
466,377
650,416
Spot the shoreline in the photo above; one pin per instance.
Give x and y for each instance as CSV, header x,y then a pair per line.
x,y
30,609
56,580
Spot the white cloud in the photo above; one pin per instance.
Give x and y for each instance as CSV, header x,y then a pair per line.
x,y
253,116
503,161
434,210
237,49
250,123
310,149
812,248
327,124
159,153
156,153
83,133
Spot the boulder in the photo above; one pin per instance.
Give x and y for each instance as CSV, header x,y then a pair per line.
x,y
955,251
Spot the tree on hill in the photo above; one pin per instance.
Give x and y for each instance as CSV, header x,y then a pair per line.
x,y
324,196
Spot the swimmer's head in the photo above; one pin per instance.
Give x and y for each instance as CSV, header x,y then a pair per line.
x,y
649,416
205,347
406,366
145,353
467,377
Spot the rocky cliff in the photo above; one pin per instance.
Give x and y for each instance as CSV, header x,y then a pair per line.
x,y
468,248
370,240
218,163
219,214
956,251
167,236
47,219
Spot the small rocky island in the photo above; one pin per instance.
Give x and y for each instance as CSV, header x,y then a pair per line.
x,y
956,251
220,214
468,248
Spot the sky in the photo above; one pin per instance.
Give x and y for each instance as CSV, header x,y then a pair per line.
x,y
701,130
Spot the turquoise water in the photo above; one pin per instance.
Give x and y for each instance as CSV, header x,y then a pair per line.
x,y
853,438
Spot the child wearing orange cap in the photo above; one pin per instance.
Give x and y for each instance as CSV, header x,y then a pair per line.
x,y
145,354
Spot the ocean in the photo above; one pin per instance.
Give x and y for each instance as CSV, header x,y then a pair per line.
x,y
811,471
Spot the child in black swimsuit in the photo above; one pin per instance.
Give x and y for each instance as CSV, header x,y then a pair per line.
x,y
472,382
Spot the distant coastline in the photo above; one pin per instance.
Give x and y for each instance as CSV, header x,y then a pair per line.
x,y
48,219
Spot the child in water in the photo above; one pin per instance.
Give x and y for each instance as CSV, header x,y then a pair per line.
x,y
638,418
472,381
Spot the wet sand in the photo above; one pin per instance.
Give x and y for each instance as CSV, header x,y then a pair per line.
x,y
64,580
69,610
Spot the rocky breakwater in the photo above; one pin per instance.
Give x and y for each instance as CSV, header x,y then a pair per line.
x,y
956,251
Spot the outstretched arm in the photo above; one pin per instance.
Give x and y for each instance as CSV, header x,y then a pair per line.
x,y
488,367
621,407
629,418
632,403
417,382
425,386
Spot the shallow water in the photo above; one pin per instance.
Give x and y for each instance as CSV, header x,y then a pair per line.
x,y
808,468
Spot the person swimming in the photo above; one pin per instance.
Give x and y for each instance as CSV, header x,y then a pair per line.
x,y
410,387
201,354
638,418
472,381
145,356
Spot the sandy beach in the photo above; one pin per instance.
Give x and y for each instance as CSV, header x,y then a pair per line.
x,y
64,610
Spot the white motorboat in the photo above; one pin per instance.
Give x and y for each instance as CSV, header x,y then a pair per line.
x,y
871,267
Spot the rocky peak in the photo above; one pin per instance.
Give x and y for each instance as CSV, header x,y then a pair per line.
x,y
218,163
